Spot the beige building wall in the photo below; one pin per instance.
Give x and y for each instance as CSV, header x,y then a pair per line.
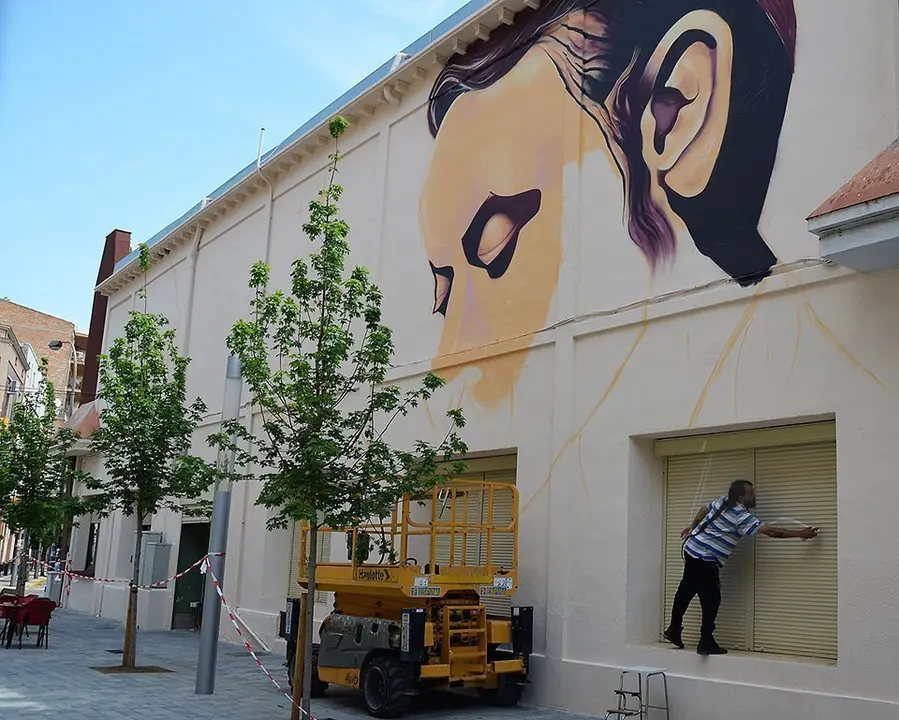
x,y
7,548
577,354
13,370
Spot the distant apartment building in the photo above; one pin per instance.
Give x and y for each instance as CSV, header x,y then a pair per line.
x,y
13,380
56,340
32,336
7,549
32,384
33,375
13,369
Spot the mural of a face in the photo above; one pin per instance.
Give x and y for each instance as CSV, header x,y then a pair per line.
x,y
685,97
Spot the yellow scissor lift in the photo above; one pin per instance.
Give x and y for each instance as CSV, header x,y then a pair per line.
x,y
400,627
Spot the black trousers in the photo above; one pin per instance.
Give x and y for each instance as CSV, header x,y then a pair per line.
x,y
701,577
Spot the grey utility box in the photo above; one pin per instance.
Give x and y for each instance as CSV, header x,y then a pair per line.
x,y
154,563
146,538
54,586
154,558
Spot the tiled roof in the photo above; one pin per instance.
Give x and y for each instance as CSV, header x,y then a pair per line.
x,y
878,179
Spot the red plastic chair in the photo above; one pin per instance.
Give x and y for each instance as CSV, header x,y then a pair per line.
x,y
30,610
12,609
37,614
8,605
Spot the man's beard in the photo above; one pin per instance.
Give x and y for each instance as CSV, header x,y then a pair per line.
x,y
749,504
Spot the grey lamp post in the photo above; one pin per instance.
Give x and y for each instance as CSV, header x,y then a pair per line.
x,y
57,345
218,541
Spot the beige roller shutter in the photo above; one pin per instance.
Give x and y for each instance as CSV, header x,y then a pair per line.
x,y
785,590
502,547
466,507
475,508
323,552
796,582
293,587
693,481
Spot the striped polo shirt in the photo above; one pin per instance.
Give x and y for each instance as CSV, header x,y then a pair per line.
x,y
717,541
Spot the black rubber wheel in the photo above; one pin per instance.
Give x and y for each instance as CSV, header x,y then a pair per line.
x,y
318,687
509,692
384,686
506,695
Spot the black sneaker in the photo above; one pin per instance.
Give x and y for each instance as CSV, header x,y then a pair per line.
x,y
674,637
710,647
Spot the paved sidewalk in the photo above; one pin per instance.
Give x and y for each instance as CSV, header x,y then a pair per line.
x,y
59,682
33,584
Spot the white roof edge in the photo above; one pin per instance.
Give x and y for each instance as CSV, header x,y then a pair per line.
x,y
853,215
445,33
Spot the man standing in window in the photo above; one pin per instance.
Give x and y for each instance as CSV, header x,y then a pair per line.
x,y
715,532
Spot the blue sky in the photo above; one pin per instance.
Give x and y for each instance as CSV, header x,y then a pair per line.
x,y
125,114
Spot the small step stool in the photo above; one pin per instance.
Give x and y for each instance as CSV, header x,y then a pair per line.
x,y
636,702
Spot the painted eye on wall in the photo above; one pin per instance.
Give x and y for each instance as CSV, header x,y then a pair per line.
x,y
443,286
492,237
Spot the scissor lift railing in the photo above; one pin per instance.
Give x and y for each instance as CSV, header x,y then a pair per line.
x,y
462,527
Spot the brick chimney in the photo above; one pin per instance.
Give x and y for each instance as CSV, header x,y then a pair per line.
x,y
117,246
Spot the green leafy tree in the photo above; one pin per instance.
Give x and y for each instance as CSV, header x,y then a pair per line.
x,y
34,471
145,433
315,360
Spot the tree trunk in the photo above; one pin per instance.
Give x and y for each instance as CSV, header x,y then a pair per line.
x,y
309,629
22,578
129,649
14,569
299,661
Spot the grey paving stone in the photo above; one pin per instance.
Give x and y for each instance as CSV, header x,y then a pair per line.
x,y
59,683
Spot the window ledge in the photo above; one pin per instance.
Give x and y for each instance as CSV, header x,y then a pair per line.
x,y
744,655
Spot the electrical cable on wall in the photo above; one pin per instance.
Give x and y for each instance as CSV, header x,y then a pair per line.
x,y
636,305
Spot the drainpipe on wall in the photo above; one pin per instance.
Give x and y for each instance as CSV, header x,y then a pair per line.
x,y
271,196
194,256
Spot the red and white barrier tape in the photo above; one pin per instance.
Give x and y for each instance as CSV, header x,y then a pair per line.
x,y
33,562
29,560
218,589
203,564
157,584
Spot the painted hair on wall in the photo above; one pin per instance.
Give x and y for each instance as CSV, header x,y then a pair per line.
x,y
619,60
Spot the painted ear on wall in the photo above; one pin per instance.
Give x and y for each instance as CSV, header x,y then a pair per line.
x,y
686,117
